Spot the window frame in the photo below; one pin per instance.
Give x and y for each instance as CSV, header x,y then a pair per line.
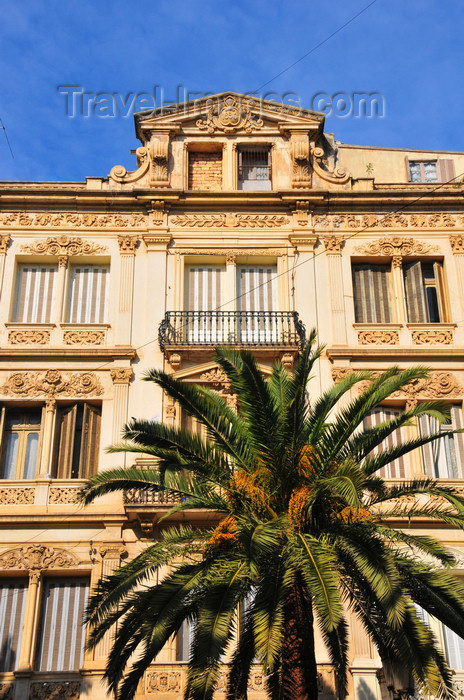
x,y
67,312
22,265
250,148
23,430
390,292
439,285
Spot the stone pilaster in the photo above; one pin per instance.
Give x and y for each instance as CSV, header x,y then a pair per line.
x,y
121,377
333,249
127,246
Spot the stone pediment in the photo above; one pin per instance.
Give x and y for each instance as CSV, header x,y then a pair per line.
x,y
228,113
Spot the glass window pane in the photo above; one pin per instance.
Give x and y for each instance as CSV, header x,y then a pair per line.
x,y
415,172
430,172
11,454
30,461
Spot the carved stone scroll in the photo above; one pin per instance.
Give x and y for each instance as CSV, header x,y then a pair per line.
x,y
52,383
396,246
301,175
36,557
64,245
338,176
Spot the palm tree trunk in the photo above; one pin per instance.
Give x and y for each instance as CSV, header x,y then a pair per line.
x,y
298,670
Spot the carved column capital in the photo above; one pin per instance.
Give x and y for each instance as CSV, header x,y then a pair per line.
x,y
121,375
5,239
457,244
333,244
63,261
127,244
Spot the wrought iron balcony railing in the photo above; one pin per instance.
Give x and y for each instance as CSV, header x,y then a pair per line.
x,y
254,328
140,497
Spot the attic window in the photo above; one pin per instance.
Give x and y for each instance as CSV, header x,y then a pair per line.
x,y
254,168
429,171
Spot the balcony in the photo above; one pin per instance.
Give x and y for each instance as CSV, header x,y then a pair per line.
x,y
281,330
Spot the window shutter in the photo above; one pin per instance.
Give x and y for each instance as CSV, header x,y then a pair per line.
x,y
34,294
397,468
88,463
408,170
454,649
65,440
184,641
446,170
62,632
371,290
456,417
205,288
440,287
88,295
257,288
12,607
427,452
415,295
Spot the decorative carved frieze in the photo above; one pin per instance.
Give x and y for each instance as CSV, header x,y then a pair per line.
x,y
164,682
64,245
302,212
29,337
389,221
4,242
231,254
215,376
229,116
121,375
333,244
229,220
37,557
84,337
71,219
432,337
127,244
61,495
52,383
457,244
55,690
339,373
16,496
378,337
396,247
339,175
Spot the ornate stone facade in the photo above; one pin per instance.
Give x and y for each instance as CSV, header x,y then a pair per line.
x,y
51,383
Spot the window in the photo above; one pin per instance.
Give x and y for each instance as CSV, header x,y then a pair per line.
x,y
257,292
443,458
372,295
88,294
254,168
441,170
425,293
77,441
62,633
12,607
184,640
204,290
20,443
398,469
35,286
454,646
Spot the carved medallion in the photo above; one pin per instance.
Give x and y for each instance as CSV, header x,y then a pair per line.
x,y
231,115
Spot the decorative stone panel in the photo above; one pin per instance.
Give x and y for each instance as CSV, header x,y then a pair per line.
x,y
55,690
61,495
64,245
84,337
36,557
52,383
6,691
432,337
164,682
16,496
229,220
29,337
378,337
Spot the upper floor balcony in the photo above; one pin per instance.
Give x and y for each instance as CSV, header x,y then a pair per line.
x,y
277,330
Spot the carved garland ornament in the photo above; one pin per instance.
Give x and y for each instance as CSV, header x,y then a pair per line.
x,y
16,496
68,219
230,254
229,220
378,337
51,383
86,337
64,245
396,247
231,115
37,557
393,220
55,690
29,337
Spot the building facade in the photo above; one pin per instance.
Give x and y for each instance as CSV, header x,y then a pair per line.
x,y
242,223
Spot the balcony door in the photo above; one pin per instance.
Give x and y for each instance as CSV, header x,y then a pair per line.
x,y
205,284
257,299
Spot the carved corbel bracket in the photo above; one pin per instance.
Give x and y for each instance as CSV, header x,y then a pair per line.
x,y
120,174
301,175
339,176
159,151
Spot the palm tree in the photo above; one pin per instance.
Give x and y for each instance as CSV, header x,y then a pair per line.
x,y
303,533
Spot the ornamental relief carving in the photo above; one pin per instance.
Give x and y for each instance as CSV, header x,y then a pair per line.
x,y
435,337
4,242
37,557
52,383
6,691
388,221
71,219
57,495
230,116
64,246
55,690
438,385
457,244
164,682
396,247
378,337
121,375
337,176
29,337
86,337
16,496
333,244
229,220
230,254
127,244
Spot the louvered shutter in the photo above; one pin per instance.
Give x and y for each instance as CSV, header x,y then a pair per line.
x,y
371,290
415,294
454,646
184,641
257,298
12,607
456,415
443,457
88,294
205,299
446,171
62,632
34,293
88,463
66,426
398,468
78,440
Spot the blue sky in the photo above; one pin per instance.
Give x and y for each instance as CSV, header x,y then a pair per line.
x,y
409,51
